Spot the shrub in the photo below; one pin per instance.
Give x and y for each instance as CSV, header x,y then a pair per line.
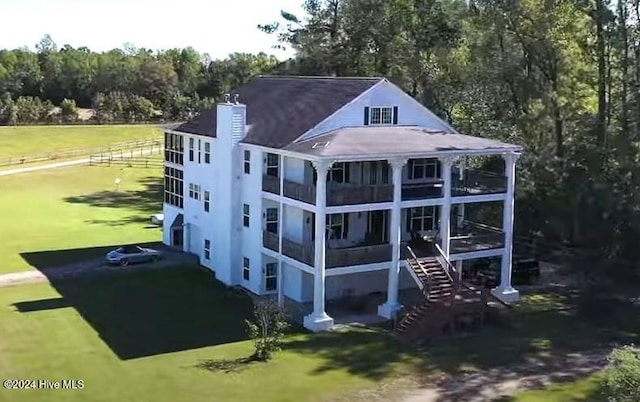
x,y
622,376
267,329
68,110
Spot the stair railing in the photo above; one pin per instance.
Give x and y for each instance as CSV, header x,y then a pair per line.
x,y
427,286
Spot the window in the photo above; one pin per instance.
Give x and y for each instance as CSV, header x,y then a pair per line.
x,y
191,145
173,148
339,173
194,191
381,115
273,161
423,168
173,186
245,215
272,220
207,249
271,276
207,152
421,219
337,226
246,268
207,200
199,151
247,161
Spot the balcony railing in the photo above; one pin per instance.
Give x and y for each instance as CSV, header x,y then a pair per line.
x,y
420,191
344,257
270,240
474,182
470,237
301,192
350,194
271,184
298,251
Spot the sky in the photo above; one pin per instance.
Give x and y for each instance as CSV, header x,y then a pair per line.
x,y
217,27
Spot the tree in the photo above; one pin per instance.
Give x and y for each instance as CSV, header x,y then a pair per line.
x,y
267,329
68,110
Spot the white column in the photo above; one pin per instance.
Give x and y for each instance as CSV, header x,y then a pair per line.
x,y
319,320
445,215
504,291
389,308
280,279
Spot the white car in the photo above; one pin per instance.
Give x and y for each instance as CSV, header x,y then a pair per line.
x,y
157,219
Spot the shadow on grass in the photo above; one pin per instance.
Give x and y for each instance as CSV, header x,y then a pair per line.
x,y
539,338
147,313
228,365
146,201
44,260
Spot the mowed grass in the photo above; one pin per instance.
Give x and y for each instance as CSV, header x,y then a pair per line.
x,y
53,217
584,390
142,336
18,141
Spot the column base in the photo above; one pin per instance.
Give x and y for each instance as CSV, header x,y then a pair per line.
x,y
318,323
507,295
388,311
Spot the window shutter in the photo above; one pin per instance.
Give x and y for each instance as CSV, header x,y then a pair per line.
x,y
366,115
395,115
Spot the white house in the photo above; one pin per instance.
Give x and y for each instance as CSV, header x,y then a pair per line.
x,y
252,184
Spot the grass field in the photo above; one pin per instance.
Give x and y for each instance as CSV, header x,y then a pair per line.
x,y
27,140
585,390
75,211
142,336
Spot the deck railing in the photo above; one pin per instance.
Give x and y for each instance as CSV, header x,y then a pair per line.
x,y
350,194
344,257
270,240
301,192
474,182
271,184
297,251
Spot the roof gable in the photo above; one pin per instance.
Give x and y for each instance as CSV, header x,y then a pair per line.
x,y
281,108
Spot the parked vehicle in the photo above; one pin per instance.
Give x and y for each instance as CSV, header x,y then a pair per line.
x,y
486,272
126,255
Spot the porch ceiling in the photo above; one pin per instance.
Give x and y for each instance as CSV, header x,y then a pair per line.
x,y
357,143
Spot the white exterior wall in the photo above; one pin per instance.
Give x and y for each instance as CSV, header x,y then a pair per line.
x,y
293,223
292,282
410,111
294,169
363,283
251,237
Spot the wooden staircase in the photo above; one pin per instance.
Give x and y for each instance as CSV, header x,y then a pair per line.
x,y
440,284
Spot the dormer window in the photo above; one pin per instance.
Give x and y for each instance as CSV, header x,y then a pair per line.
x,y
380,115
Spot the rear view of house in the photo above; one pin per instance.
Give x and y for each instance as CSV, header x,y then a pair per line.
x,y
310,187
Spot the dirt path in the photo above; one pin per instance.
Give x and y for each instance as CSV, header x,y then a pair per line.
x,y
74,162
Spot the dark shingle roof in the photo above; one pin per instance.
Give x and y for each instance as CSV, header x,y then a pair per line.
x,y
282,108
367,140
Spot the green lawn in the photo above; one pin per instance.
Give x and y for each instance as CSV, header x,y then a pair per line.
x,y
27,140
67,214
141,336
584,390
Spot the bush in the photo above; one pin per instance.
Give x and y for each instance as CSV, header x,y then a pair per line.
x,y
622,376
68,110
267,329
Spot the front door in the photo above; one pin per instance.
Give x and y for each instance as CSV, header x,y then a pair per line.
x,y
377,227
177,237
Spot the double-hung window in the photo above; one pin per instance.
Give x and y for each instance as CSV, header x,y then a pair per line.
x,y
191,148
339,173
207,201
423,168
246,268
271,276
381,115
207,249
421,219
199,151
207,152
272,220
194,191
273,161
337,226
245,215
247,161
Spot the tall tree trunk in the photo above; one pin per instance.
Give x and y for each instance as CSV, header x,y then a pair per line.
x,y
602,72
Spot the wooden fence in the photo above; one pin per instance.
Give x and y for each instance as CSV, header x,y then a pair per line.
x,y
154,144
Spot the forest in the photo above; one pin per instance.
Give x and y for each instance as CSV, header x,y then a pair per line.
x,y
559,77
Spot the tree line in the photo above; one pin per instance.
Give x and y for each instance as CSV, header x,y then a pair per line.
x,y
129,84
560,77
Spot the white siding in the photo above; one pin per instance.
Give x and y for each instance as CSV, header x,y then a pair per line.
x,y
410,111
251,237
294,169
